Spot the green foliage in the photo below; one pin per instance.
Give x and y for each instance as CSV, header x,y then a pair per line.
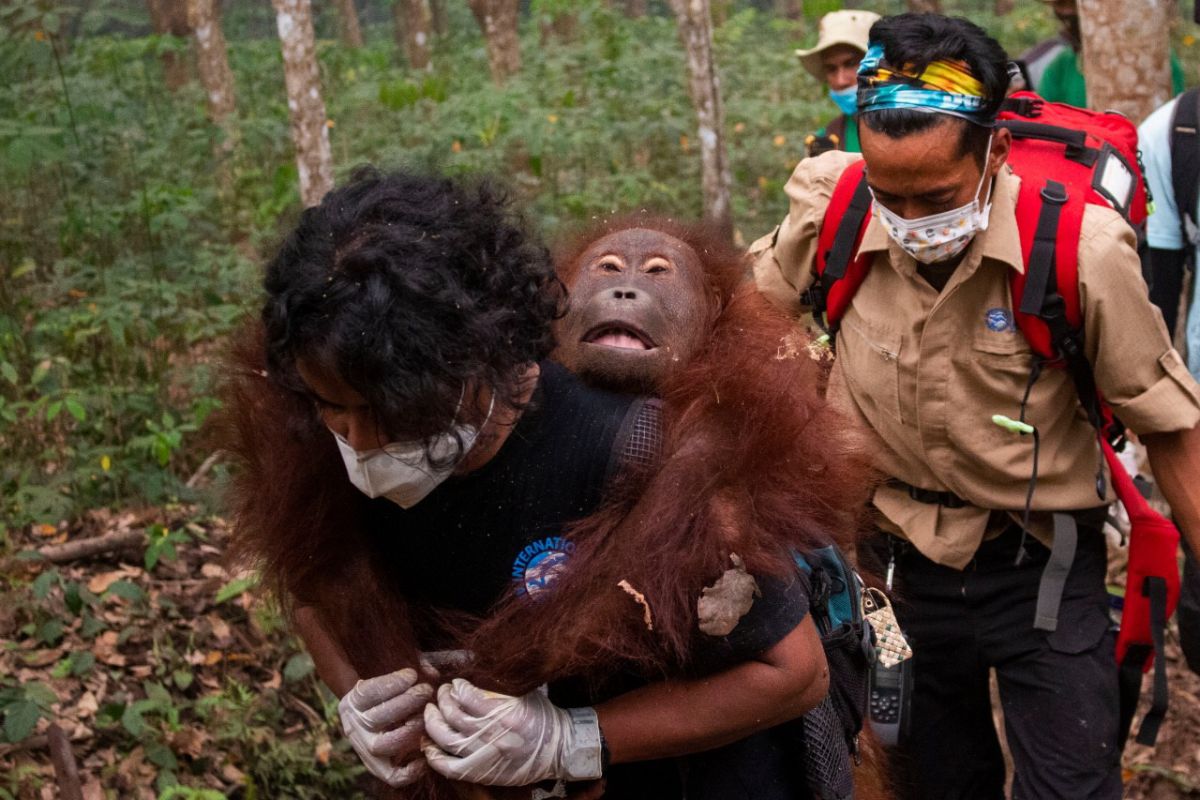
x,y
133,228
192,688
22,705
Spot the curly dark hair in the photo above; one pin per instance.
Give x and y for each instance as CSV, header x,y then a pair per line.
x,y
410,287
920,39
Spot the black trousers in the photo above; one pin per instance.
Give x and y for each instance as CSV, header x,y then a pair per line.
x,y
1058,690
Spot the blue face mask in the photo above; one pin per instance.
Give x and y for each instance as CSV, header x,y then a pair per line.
x,y
846,99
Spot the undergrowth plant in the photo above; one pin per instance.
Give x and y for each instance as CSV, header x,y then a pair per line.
x,y
132,234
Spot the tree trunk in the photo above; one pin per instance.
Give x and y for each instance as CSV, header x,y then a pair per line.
x,y
437,10
169,18
695,31
212,59
1004,7
1134,78
414,22
498,21
635,9
559,26
351,31
310,134
920,6
790,9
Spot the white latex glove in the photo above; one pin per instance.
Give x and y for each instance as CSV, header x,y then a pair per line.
x,y
382,719
498,740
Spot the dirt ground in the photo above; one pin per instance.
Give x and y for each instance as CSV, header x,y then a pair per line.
x,y
176,625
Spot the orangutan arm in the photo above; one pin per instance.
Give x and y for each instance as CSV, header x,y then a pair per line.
x,y
330,659
677,717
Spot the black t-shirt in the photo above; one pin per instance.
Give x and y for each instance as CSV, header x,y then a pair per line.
x,y
474,537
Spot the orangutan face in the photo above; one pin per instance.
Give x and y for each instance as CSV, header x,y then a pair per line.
x,y
638,306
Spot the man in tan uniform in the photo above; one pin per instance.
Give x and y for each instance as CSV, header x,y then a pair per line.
x,y
927,353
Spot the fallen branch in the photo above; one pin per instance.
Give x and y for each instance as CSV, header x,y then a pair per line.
x,y
203,469
66,771
35,742
83,548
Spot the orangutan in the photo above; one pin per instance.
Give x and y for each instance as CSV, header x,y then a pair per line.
x,y
748,465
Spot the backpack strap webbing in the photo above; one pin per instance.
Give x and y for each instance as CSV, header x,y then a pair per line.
x,y
838,272
836,130
1185,160
1131,667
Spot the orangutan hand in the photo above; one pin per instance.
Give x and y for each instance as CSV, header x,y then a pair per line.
x,y
382,718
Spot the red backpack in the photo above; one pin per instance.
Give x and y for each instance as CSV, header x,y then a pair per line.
x,y
1066,158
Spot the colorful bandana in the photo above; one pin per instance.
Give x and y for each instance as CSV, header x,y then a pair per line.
x,y
943,87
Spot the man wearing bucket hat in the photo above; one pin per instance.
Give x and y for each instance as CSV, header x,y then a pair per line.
x,y
841,42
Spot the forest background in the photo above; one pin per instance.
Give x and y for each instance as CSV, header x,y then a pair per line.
x,y
133,229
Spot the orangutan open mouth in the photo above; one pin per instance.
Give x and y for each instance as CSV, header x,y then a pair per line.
x,y
620,336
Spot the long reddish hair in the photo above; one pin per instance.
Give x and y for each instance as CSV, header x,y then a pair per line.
x,y
754,462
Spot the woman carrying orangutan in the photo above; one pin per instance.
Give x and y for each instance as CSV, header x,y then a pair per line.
x,y
414,476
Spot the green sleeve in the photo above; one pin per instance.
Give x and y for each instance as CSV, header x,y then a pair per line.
x,y
1177,79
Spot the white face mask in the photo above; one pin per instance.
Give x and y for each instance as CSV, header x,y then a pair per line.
x,y
942,236
403,472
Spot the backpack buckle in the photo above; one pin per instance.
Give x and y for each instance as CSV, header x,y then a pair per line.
x,y
1030,107
1054,192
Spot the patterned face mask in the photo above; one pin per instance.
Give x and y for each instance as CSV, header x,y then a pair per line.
x,y
942,236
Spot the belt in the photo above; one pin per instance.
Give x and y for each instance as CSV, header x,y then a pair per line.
x,y
929,496
1054,574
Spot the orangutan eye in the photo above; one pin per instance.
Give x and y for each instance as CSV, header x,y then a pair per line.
x,y
655,269
610,266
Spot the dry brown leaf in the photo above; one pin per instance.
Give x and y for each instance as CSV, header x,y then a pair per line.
x,y
105,649
233,775
220,629
87,705
191,741
213,657
42,658
213,571
93,790
132,768
722,605
275,681
323,751
100,583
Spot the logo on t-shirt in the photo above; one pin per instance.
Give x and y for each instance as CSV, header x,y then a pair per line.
x,y
999,319
539,563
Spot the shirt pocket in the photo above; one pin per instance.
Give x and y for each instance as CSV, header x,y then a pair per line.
x,y
992,380
870,355
1000,344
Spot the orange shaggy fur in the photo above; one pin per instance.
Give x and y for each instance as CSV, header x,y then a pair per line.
x,y
754,463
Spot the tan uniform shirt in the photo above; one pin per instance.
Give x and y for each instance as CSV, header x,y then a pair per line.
x,y
924,371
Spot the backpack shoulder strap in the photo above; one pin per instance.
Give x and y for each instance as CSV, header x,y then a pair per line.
x,y
837,128
838,272
1046,297
1185,156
